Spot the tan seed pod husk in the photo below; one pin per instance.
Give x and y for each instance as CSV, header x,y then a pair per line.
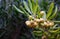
x,y
31,24
51,23
46,24
28,23
34,24
44,37
37,20
41,20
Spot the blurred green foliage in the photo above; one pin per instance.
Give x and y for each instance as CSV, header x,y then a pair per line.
x,y
12,24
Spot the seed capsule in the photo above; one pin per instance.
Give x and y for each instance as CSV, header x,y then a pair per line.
x,y
42,12
41,20
34,24
28,23
37,20
46,24
51,23
44,37
31,24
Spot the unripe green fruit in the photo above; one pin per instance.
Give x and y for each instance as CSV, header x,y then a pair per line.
x,y
42,12
30,17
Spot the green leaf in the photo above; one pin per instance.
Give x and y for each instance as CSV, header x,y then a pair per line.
x,y
54,26
34,6
37,5
30,5
26,7
38,12
53,31
50,10
18,9
27,14
36,1
37,33
57,21
54,14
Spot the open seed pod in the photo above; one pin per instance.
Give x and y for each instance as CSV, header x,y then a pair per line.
x,y
51,24
46,24
37,20
34,24
28,23
41,20
31,24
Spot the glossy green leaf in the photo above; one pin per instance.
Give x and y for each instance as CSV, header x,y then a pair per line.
x,y
33,6
26,7
54,14
49,12
38,12
35,10
30,5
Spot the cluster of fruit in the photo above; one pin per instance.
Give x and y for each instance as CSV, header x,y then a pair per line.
x,y
39,22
